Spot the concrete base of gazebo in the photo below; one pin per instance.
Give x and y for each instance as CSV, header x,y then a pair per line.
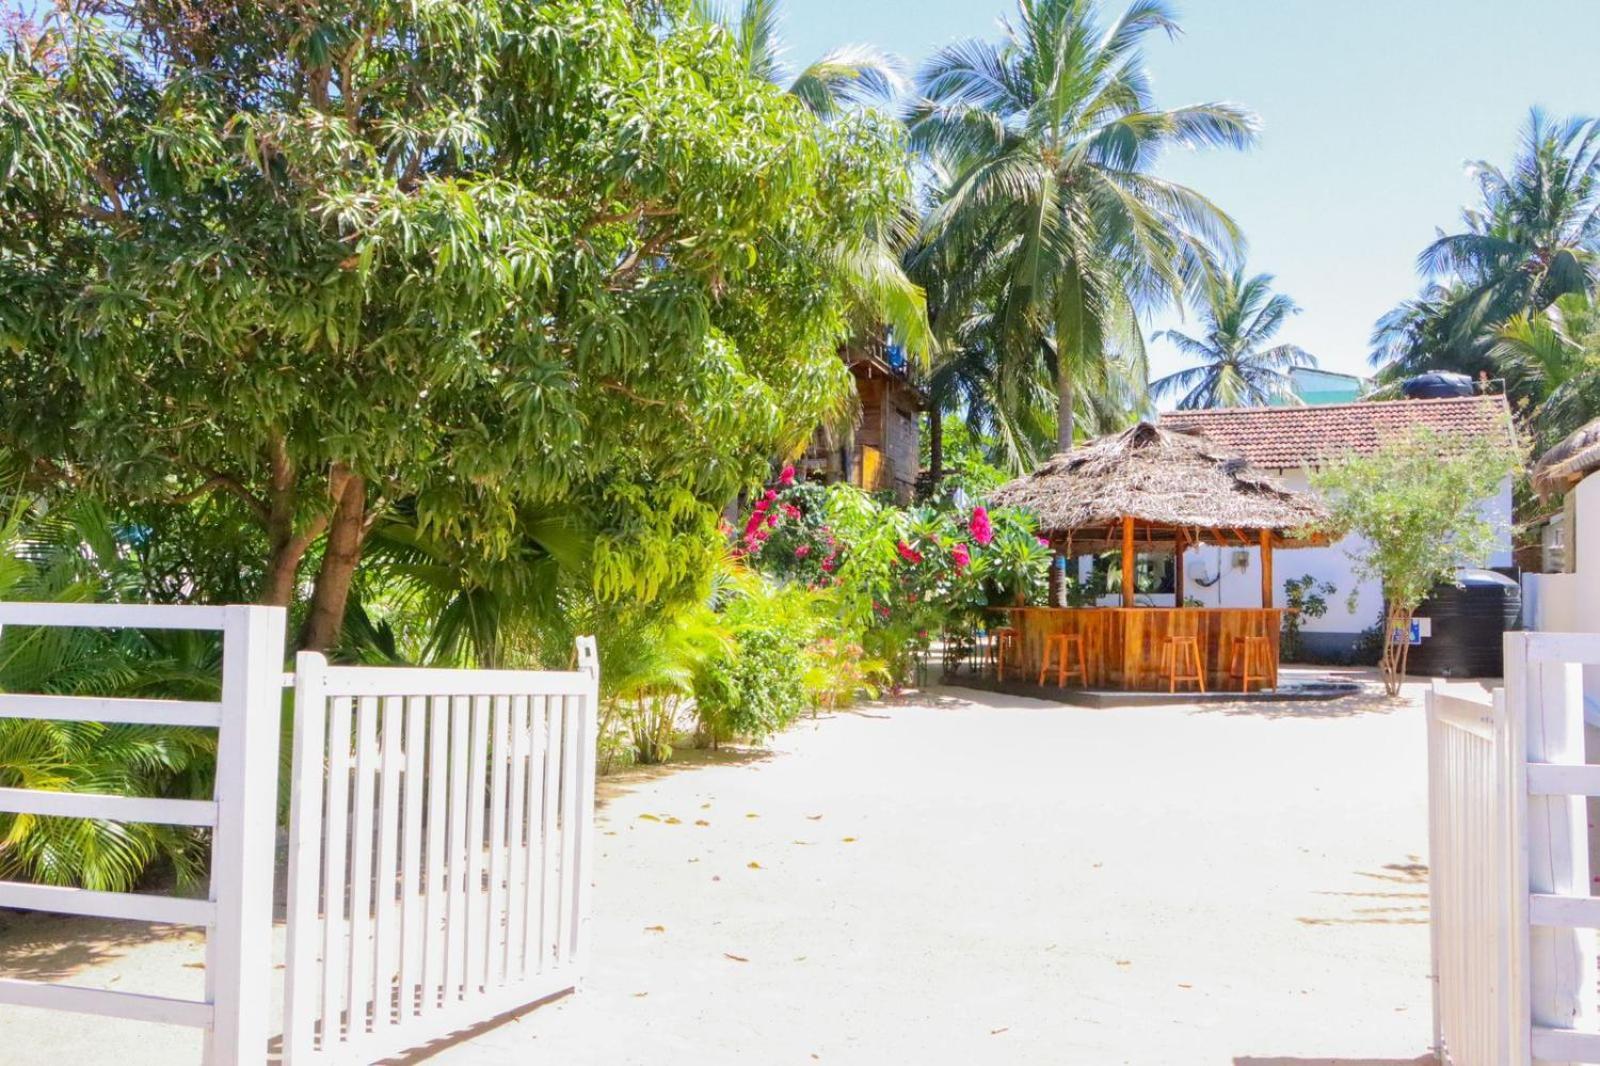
x,y
1288,692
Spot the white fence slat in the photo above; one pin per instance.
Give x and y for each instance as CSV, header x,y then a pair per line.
x,y
426,681
412,885
570,721
533,871
203,714
438,786
550,841
125,616
386,919
336,889
517,844
1565,1045
134,906
108,1004
363,845
500,753
301,975
1564,912
478,794
460,767
1551,779
588,751
109,807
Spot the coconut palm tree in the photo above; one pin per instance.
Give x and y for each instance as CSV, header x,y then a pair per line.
x,y
850,74
1552,360
1236,367
1052,135
1536,235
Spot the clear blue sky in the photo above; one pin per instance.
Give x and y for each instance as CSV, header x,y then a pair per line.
x,y
1369,109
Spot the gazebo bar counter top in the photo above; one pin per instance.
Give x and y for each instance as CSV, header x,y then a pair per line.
x,y
1153,488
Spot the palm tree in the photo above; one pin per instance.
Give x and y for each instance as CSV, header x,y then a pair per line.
x,y
1052,135
1552,360
1236,368
1535,237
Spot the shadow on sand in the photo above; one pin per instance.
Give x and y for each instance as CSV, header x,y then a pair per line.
x,y
49,947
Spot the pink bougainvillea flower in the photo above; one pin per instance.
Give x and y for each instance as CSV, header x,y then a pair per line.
x,y
770,495
979,527
787,477
1044,542
961,556
908,553
791,510
802,551
772,520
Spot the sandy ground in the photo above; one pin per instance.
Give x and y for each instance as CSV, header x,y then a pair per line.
x,y
965,878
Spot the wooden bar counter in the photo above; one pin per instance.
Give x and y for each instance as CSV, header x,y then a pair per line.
x,y
1123,645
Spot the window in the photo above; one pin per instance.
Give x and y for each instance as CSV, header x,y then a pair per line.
x,y
1154,573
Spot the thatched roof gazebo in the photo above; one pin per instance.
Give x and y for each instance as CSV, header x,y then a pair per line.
x,y
1158,486
1569,462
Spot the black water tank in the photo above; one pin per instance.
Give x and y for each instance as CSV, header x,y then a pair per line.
x,y
1467,623
1437,385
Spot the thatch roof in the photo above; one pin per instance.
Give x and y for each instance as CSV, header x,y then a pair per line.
x,y
1161,478
1569,462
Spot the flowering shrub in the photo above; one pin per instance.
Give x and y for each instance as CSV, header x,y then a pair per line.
x,y
896,575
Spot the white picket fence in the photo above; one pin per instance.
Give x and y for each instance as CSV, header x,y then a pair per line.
x,y
1512,919
441,840
237,912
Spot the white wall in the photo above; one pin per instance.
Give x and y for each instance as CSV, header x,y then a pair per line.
x,y
1240,586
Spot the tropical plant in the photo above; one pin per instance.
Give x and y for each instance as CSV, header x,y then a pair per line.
x,y
1237,369
74,553
1415,507
1305,598
1051,137
1551,360
1534,237
756,685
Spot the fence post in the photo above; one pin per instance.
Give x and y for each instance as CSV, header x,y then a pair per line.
x,y
589,739
1435,879
239,945
1561,962
306,839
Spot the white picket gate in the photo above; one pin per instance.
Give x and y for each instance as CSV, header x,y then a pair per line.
x,y
1512,919
441,841
237,913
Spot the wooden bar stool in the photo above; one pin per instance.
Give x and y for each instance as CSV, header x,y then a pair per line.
x,y
1251,657
1181,657
1003,642
1065,645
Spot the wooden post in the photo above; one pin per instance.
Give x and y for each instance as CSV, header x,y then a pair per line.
x,y
1128,561
1266,568
1177,572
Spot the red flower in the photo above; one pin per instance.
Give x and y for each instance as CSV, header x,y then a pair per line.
x,y
979,527
787,477
961,555
791,510
772,520
1044,542
802,551
908,553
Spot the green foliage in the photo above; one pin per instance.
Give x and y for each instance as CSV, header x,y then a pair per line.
x,y
1416,505
75,555
1052,208
757,686
1304,597
461,259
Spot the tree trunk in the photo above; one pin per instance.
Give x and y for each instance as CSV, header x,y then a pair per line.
x,y
1064,418
1395,652
286,547
346,532
935,443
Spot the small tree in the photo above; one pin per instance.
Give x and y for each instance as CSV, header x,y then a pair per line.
x,y
1416,504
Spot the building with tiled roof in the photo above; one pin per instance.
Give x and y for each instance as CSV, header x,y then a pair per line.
x,y
1288,438
1289,442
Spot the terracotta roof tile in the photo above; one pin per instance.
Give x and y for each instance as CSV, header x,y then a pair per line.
x,y
1279,438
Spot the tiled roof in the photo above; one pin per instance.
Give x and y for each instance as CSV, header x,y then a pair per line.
x,y
1287,437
